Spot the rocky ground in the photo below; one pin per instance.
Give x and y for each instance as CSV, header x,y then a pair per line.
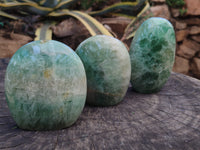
x,y
187,27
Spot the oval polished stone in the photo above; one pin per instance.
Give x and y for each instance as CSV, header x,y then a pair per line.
x,y
152,54
45,86
108,69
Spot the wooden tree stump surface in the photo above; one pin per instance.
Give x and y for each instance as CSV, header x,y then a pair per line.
x,y
167,120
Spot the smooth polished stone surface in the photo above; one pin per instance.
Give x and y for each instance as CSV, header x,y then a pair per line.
x,y
152,54
108,69
45,86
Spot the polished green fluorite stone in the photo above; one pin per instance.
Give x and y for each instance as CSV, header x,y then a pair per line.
x,y
108,69
45,86
152,55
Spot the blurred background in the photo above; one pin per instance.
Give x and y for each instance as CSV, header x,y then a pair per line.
x,y
72,21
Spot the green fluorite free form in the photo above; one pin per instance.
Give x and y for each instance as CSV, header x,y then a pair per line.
x,y
45,86
108,69
152,55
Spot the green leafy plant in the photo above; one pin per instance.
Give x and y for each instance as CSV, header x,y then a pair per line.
x,y
86,4
182,11
175,3
60,8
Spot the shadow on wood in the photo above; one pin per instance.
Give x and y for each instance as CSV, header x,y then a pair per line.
x,y
169,119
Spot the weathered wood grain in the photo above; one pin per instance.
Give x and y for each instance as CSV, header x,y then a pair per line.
x,y
167,120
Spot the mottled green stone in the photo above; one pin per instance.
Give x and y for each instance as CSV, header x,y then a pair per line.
x,y
45,86
152,55
108,69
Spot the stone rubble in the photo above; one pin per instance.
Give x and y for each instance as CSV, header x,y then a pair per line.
x,y
10,44
187,28
161,11
181,35
195,67
195,30
185,52
193,7
196,38
184,68
180,25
